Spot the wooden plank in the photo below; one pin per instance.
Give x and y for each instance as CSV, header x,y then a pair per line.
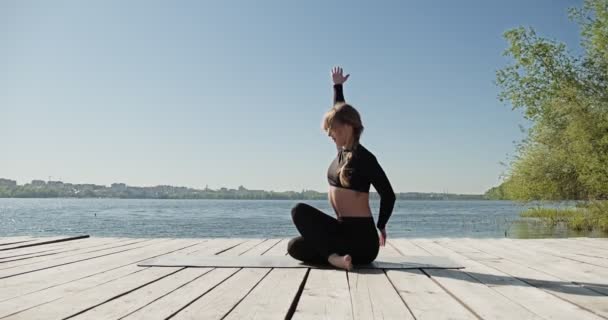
x,y
326,296
274,296
597,243
406,247
578,246
40,257
16,286
355,292
31,240
53,248
4,241
43,241
177,300
570,251
280,248
222,299
468,287
326,289
497,258
71,304
75,287
135,300
77,302
45,264
372,293
235,294
593,277
374,297
73,251
538,301
422,294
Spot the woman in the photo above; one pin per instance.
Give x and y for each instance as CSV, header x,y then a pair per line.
x,y
352,237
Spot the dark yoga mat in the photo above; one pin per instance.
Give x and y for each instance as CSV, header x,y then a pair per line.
x,y
402,262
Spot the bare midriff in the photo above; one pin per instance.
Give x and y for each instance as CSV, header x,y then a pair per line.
x,y
349,203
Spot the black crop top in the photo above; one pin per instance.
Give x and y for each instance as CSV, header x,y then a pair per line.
x,y
363,170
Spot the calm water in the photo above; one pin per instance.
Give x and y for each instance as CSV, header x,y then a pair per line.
x,y
257,218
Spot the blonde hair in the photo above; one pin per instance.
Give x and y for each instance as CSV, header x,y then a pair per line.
x,y
344,113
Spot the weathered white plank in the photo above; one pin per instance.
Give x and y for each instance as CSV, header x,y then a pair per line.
x,y
495,257
597,243
326,296
274,295
179,299
222,299
140,298
484,301
532,298
588,275
4,241
571,251
374,297
55,248
279,247
421,293
93,245
16,286
56,293
219,301
41,242
515,273
45,264
74,303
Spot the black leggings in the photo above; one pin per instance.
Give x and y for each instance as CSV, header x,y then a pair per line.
x,y
322,235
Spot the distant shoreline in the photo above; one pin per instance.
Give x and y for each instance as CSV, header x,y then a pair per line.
x,y
252,199
59,189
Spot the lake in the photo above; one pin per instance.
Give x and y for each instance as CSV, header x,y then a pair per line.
x,y
259,218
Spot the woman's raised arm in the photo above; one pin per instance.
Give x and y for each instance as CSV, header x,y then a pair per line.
x,y
338,79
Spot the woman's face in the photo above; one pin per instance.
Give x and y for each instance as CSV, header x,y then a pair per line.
x,y
340,133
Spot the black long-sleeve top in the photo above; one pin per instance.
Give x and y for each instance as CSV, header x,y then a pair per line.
x,y
364,170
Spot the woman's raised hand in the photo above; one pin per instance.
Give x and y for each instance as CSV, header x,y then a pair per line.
x,y
336,75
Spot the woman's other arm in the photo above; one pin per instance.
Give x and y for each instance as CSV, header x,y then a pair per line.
x,y
381,183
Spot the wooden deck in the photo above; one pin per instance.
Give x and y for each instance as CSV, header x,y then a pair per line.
x,y
98,278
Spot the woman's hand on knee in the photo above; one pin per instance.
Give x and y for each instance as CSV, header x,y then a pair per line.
x,y
382,237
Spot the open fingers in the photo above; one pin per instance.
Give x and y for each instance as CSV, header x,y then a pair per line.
x,y
336,70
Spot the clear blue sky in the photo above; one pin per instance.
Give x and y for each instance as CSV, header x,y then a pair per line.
x,y
227,93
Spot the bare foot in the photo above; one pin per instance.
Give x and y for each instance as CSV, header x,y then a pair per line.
x,y
342,262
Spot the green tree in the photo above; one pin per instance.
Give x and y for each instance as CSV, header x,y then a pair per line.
x,y
565,153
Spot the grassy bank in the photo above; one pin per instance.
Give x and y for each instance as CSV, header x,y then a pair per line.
x,y
587,216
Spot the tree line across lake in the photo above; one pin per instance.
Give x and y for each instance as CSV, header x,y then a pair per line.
x,y
59,189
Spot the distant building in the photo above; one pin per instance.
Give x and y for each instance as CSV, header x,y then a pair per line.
x,y
90,186
118,186
38,183
8,183
55,183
